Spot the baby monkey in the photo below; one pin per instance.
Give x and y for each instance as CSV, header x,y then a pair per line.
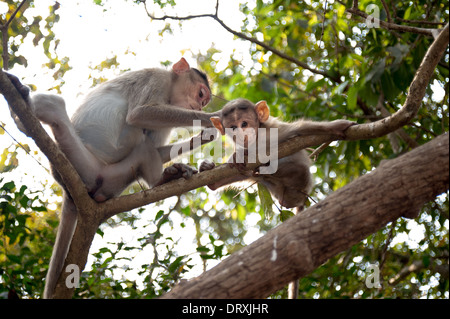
x,y
291,183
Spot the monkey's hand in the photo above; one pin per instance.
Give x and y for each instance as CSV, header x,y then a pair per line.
x,y
207,135
176,171
338,127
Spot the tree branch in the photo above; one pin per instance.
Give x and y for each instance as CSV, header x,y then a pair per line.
x,y
393,26
416,266
245,37
298,246
5,36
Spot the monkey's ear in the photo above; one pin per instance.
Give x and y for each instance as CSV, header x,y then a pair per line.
x,y
262,110
217,122
181,66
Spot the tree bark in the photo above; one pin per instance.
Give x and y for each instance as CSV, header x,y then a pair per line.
x,y
399,187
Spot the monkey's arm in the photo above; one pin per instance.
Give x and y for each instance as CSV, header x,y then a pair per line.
x,y
157,116
304,127
169,152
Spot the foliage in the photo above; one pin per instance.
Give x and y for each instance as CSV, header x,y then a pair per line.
x,y
26,228
361,65
366,71
15,29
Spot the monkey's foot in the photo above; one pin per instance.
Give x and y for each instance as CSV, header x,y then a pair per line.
x,y
176,171
339,126
206,166
50,109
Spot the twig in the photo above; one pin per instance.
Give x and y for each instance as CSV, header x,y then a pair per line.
x,y
5,36
318,150
23,147
386,246
393,26
245,37
388,14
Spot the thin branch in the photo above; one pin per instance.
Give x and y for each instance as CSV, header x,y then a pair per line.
x,y
318,150
245,37
5,36
420,21
393,26
388,14
414,97
416,266
6,25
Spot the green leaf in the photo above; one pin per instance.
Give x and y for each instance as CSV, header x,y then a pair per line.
x,y
311,85
285,215
266,201
100,232
338,90
426,261
407,14
159,215
376,72
352,96
9,186
202,249
15,259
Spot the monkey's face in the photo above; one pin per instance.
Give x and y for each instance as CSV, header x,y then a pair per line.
x,y
242,126
190,92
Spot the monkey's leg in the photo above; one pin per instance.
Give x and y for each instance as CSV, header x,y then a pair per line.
x,y
336,127
143,162
63,238
51,110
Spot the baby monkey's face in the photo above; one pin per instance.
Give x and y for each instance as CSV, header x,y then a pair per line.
x,y
242,126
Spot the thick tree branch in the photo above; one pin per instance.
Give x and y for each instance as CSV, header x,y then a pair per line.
x,y
298,246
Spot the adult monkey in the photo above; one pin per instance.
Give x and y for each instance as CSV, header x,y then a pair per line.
x,y
120,133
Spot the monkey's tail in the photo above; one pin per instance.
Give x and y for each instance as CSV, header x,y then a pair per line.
x,y
60,249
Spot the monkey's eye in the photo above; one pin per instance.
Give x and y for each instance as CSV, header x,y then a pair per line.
x,y
233,127
244,124
202,93
203,96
